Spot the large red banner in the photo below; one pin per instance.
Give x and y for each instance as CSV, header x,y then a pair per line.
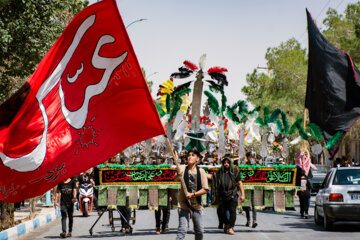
x,y
86,101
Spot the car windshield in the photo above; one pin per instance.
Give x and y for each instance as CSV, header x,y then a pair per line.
x,y
321,169
347,177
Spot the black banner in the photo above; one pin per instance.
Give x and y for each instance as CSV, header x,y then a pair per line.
x,y
260,176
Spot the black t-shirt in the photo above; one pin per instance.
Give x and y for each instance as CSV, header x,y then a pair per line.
x,y
227,181
193,183
84,178
66,190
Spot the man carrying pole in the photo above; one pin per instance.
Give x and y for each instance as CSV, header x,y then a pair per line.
x,y
194,184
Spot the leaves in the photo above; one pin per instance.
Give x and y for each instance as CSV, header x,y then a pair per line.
x,y
27,31
213,103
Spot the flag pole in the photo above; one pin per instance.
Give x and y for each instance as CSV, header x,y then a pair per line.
x,y
178,170
304,147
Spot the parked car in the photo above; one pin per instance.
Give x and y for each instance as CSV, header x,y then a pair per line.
x,y
318,177
338,198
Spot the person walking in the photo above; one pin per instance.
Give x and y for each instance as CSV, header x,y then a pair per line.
x,y
228,184
165,216
196,184
251,160
304,195
67,192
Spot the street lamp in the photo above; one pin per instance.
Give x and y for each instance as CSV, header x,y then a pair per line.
x,y
147,77
139,20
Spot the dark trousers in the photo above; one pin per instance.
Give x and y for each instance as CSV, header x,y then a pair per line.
x,y
247,209
66,211
304,197
229,205
221,222
125,211
166,217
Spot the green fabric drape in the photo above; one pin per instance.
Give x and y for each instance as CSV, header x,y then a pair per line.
x,y
247,202
102,197
269,198
289,199
121,198
163,197
174,197
143,197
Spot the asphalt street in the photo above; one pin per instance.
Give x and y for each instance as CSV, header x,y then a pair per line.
x,y
272,225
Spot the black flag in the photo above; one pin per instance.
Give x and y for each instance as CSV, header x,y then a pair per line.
x,y
333,91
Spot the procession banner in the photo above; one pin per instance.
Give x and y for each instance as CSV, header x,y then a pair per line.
x,y
87,101
163,175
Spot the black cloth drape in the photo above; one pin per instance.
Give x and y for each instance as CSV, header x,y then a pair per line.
x,y
333,91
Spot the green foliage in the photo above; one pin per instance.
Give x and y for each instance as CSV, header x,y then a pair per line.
x,y
168,103
181,90
298,126
176,108
332,141
159,109
230,112
213,103
283,125
315,130
285,87
343,31
27,31
149,83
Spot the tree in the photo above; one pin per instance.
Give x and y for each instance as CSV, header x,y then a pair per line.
x,y
149,83
285,88
343,31
27,31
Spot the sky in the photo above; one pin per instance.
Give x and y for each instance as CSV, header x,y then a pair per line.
x,y
234,34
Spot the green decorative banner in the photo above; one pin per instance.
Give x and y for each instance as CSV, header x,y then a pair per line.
x,y
284,176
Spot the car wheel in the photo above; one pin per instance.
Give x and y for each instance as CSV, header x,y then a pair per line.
x,y
317,218
327,224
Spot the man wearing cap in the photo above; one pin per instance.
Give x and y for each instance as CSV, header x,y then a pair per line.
x,y
190,198
228,183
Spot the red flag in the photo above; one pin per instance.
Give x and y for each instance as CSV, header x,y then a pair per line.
x,y
86,101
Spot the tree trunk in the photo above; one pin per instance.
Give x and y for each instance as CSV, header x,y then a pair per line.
x,y
32,208
7,215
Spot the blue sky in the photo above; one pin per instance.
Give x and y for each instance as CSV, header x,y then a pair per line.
x,y
233,33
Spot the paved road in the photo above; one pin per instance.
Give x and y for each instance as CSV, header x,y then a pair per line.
x,y
271,226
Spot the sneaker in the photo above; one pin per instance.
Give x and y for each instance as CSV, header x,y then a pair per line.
x,y
63,235
306,216
254,224
247,224
157,230
68,235
230,231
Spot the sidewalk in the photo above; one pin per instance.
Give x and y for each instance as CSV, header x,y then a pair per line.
x,y
24,225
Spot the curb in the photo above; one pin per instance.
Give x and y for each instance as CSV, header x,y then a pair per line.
x,y
28,226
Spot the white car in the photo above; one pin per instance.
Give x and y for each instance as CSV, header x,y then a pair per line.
x,y
338,198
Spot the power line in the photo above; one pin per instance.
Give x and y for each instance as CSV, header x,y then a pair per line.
x,y
319,16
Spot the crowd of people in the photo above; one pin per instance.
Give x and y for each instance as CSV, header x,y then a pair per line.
x,y
226,191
